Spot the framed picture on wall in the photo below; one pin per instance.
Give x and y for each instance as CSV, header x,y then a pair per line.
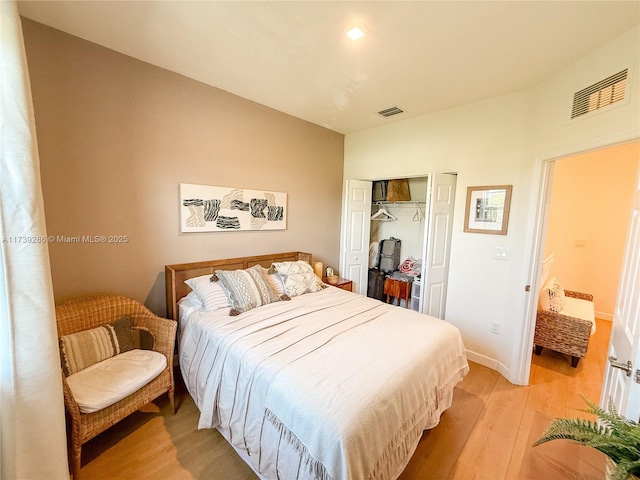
x,y
206,208
487,209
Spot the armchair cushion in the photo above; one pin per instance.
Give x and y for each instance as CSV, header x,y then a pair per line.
x,y
109,381
83,349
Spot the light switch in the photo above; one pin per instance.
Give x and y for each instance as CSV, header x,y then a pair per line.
x,y
501,253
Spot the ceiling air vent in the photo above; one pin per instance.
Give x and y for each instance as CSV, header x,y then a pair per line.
x,y
599,95
387,112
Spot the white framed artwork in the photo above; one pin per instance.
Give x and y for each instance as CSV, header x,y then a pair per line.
x,y
205,208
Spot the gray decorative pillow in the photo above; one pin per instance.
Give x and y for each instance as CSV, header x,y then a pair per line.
x,y
247,289
123,330
83,349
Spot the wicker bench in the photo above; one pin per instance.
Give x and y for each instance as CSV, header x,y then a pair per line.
x,y
564,333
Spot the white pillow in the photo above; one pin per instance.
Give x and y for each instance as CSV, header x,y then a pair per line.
x,y
552,296
212,294
298,278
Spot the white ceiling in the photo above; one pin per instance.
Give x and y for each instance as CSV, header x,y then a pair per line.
x,y
295,57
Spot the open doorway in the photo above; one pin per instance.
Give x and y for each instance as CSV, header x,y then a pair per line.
x,y
587,225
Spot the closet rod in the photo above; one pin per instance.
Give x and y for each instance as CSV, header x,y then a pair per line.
x,y
399,202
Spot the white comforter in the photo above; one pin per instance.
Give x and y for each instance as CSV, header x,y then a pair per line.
x,y
346,382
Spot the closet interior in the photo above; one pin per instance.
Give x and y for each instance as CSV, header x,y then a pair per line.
x,y
397,238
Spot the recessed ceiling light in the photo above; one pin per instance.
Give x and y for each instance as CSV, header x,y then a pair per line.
x,y
355,33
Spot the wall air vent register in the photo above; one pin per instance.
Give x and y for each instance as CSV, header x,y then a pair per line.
x,y
599,95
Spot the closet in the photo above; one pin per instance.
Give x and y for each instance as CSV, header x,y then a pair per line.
x,y
399,213
422,223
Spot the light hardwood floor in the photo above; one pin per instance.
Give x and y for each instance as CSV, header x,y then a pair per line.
x,y
486,434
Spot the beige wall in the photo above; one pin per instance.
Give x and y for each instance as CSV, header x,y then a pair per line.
x,y
591,203
116,138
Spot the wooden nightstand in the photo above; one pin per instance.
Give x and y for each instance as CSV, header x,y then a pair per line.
x,y
343,283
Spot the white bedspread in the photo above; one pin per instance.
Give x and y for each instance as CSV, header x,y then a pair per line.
x,y
347,382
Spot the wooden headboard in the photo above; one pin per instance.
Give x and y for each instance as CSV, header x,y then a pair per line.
x,y
175,275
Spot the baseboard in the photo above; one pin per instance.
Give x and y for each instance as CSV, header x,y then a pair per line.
x,y
489,362
604,316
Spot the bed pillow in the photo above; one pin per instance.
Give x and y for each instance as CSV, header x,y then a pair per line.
x,y
83,349
211,294
552,296
298,277
247,289
275,280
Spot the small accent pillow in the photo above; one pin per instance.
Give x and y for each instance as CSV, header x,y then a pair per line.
x,y
83,349
247,289
210,293
298,278
552,296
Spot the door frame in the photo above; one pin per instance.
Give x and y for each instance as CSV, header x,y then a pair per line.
x,y
522,354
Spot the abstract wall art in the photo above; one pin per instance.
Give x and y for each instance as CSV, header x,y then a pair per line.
x,y
205,208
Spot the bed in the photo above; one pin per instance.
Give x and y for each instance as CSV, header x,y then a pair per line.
x,y
329,385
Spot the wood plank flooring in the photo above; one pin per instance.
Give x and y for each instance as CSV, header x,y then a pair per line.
x,y
486,434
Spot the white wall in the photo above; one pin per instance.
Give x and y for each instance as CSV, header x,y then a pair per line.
x,y
498,141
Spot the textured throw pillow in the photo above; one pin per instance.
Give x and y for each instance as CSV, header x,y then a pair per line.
x,y
210,293
83,349
275,280
247,289
298,278
552,296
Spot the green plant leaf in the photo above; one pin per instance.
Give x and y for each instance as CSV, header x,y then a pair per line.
x,y
613,435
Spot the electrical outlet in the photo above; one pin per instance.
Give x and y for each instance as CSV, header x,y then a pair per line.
x,y
579,243
496,327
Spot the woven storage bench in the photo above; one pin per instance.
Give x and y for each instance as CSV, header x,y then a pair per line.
x,y
563,333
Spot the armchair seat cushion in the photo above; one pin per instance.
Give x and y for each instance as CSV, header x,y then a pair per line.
x,y
109,381
579,308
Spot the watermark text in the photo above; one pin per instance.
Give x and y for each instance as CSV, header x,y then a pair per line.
x,y
65,239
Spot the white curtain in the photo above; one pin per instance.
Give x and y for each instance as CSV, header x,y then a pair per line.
x,y
32,439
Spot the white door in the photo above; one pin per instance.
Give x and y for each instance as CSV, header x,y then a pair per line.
x,y
438,244
623,388
354,241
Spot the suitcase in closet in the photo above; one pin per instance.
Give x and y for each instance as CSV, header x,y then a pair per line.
x,y
389,251
375,286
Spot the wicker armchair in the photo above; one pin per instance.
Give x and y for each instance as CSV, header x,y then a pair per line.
x,y
91,312
564,334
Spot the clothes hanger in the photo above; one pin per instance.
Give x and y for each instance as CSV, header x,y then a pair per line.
x,y
383,216
419,215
